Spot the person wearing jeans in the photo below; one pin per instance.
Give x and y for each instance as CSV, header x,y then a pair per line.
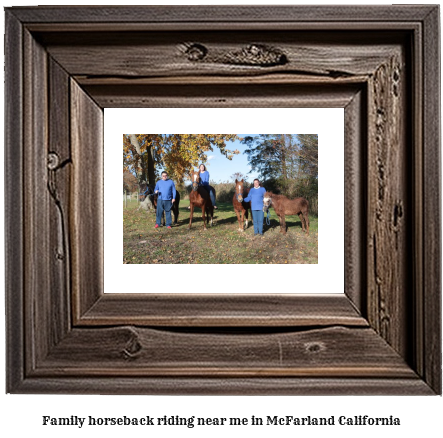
x,y
204,181
255,196
165,188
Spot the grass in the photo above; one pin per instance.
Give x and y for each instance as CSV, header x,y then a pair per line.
x,y
223,243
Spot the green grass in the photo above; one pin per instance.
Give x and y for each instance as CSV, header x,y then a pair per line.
x,y
223,243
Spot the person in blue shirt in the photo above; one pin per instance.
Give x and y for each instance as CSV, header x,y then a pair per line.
x,y
204,182
165,188
255,196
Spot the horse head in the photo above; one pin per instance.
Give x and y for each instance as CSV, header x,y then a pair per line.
x,y
195,179
144,191
239,190
267,201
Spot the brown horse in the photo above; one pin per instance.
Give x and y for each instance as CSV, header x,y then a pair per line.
x,y
240,207
174,208
199,197
284,206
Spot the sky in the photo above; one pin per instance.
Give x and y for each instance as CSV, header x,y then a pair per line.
x,y
220,168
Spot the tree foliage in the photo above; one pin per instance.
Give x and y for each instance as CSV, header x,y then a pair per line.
x,y
283,155
288,162
308,153
146,154
238,176
130,183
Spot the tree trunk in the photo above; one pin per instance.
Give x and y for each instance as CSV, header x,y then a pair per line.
x,y
283,156
147,172
151,166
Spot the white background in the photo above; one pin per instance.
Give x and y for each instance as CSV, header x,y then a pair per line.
x,y
324,277
20,415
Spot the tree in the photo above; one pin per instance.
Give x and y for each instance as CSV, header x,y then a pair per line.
x,y
130,182
288,162
270,155
238,176
145,154
139,156
308,153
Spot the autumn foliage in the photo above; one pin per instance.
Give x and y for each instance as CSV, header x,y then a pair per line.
x,y
178,154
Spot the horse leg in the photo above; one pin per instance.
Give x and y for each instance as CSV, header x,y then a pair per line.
x,y
174,211
282,224
239,220
190,217
211,210
246,219
203,215
306,216
302,220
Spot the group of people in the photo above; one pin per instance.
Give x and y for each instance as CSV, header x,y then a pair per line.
x,y
165,188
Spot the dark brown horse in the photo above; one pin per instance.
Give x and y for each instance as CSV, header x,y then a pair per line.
x,y
284,206
240,206
199,197
174,208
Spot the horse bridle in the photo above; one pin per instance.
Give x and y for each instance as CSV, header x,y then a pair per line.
x,y
269,206
195,183
239,195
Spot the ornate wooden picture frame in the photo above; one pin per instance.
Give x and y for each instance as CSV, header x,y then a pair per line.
x,y
65,64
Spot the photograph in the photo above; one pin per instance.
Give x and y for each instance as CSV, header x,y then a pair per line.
x,y
220,198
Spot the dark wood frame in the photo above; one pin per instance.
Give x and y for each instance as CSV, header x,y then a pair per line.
x,y
64,65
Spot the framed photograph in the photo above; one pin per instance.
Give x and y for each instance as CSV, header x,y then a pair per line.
x,y
226,250
380,64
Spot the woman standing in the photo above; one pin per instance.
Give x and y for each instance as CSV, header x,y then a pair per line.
x,y
256,195
204,182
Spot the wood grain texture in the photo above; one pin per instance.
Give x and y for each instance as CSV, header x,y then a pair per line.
x,y
388,204
59,168
38,258
205,310
418,358
289,386
14,239
129,351
226,96
355,187
64,335
222,14
160,54
431,319
86,197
